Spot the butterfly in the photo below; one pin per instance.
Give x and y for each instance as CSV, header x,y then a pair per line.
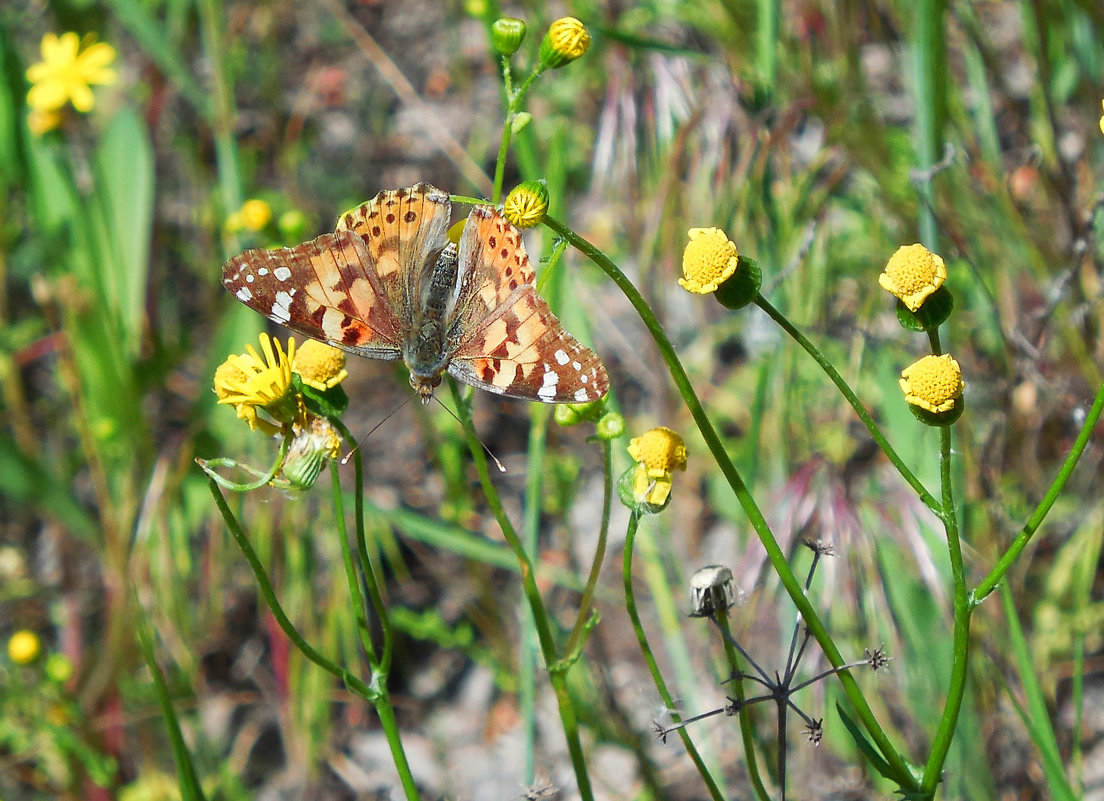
x,y
388,284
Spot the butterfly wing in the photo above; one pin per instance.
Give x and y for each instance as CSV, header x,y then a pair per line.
x,y
353,288
511,343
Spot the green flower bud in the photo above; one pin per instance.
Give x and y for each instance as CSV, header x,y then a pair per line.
x,y
507,34
611,426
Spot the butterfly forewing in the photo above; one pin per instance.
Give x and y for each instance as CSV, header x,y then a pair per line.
x,y
404,230
325,289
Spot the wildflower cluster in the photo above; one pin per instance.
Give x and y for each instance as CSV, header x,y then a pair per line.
x,y
290,392
933,385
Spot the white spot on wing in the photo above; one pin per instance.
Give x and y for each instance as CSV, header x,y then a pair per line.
x,y
262,271
282,273
581,395
249,278
244,295
577,366
561,357
281,308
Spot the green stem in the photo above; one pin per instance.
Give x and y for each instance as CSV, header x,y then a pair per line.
x,y
653,667
370,579
351,576
777,558
575,641
853,399
206,466
558,678
1016,548
747,725
269,595
956,690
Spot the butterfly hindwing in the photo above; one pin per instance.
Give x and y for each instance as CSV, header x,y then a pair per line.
x,y
513,344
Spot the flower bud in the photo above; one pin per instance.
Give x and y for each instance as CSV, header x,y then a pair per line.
x,y
507,34
566,40
526,204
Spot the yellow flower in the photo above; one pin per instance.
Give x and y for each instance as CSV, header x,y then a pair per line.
x,y
913,273
526,204
708,261
1102,117
254,215
933,383
566,40
319,365
657,453
66,72
24,647
247,381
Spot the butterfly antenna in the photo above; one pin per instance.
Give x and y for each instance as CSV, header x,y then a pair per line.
x,y
345,459
501,467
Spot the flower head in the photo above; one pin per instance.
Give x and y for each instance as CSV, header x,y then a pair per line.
x,y
247,381
708,261
254,215
912,274
657,453
24,647
67,72
566,40
933,383
1102,117
526,204
319,365
711,590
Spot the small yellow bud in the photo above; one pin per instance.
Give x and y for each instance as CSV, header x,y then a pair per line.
x,y
566,40
527,204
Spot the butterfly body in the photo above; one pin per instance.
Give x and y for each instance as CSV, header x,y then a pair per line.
x,y
387,284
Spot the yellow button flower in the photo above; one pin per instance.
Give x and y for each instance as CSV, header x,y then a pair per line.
x,y
708,261
248,381
320,365
657,453
526,204
566,40
913,273
1102,118
67,72
24,647
934,383
254,215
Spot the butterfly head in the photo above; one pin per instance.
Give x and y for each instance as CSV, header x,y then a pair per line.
x,y
424,386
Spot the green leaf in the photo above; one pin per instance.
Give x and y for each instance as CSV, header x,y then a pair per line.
x,y
124,189
876,760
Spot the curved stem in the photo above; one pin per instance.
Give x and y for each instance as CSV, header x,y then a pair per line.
x,y
777,558
269,595
575,641
853,399
1016,548
653,667
956,689
374,591
352,578
262,478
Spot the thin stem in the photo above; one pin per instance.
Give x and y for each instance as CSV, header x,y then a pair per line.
x,y
575,642
351,575
366,569
269,595
653,666
1016,548
961,637
777,558
558,678
853,399
262,478
747,727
